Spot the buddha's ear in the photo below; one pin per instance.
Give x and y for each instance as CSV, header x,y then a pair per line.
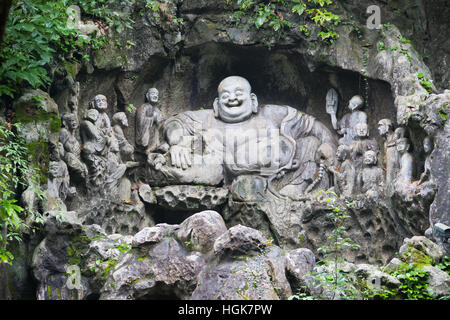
x,y
254,102
216,107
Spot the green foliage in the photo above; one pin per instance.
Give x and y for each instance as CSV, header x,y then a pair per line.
x,y
34,31
413,283
38,34
425,82
445,264
331,280
16,172
279,15
443,113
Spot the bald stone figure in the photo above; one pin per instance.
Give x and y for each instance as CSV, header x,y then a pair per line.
x,y
238,137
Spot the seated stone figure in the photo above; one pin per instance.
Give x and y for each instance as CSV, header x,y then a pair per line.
x,y
115,168
362,144
58,185
347,125
344,174
71,145
120,121
371,179
239,137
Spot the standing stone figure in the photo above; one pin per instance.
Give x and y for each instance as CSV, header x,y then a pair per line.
x,y
148,116
349,120
344,175
71,145
332,101
405,173
428,148
120,121
361,145
371,179
391,157
96,134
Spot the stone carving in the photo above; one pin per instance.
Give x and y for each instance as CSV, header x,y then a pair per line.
x,y
371,179
427,148
405,173
239,137
115,169
71,145
391,157
102,122
148,116
96,134
361,145
58,186
344,175
120,121
332,101
350,120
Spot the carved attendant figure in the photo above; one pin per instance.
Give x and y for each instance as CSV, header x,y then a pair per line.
x,y
391,157
71,146
120,121
344,175
102,123
428,148
147,116
332,101
350,120
371,179
406,161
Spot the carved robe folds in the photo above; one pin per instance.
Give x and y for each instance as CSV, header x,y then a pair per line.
x,y
269,142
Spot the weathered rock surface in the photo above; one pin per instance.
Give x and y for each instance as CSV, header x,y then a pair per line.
x,y
206,262
190,198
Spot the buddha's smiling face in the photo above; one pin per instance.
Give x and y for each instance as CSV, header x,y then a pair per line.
x,y
235,103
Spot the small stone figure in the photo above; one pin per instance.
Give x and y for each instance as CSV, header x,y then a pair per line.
x,y
406,161
71,145
58,186
371,179
349,120
115,169
102,123
120,121
428,148
391,157
344,175
90,133
362,143
147,116
332,101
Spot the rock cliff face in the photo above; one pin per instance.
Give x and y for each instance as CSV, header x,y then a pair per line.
x,y
147,240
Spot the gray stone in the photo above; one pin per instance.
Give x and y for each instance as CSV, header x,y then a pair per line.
x,y
374,278
146,193
200,231
191,198
240,240
438,282
433,253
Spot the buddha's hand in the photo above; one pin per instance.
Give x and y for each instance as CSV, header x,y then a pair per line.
x,y
180,156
